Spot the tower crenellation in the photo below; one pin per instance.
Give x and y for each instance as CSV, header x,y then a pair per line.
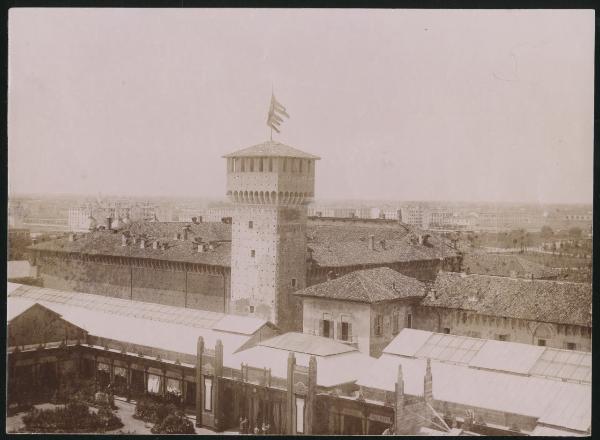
x,y
270,184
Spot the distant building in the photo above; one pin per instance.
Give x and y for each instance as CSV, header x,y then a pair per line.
x,y
415,215
366,308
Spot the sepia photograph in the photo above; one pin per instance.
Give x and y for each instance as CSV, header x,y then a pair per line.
x,y
300,221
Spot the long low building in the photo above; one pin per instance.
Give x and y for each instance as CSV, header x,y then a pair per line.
x,y
190,265
541,312
225,367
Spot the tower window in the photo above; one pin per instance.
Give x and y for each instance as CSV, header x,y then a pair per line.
x,y
250,224
446,331
541,342
294,282
284,164
571,346
251,308
260,164
301,161
409,321
251,164
252,253
270,164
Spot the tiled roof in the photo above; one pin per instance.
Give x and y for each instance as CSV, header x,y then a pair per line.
x,y
506,265
348,245
273,149
536,300
345,244
369,286
109,243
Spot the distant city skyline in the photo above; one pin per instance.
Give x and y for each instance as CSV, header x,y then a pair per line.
x,y
447,106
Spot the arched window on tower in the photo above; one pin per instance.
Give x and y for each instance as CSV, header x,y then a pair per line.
x,y
300,170
242,164
251,164
285,164
260,164
270,164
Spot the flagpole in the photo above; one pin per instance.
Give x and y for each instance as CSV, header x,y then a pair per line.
x,y
272,94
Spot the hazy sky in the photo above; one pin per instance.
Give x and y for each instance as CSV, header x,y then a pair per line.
x,y
407,105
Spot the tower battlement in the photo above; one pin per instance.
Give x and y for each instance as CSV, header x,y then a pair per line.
x,y
271,173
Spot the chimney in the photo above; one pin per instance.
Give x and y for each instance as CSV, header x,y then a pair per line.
x,y
142,243
199,219
108,223
371,242
71,237
426,239
201,247
421,239
195,220
155,244
123,240
185,233
382,242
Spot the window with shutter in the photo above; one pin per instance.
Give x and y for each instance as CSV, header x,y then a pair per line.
x,y
339,331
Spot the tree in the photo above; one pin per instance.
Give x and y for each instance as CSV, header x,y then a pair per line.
x,y
546,232
575,232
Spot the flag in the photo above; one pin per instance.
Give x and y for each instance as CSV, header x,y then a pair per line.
x,y
276,111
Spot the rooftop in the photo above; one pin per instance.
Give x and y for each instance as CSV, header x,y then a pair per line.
x,y
508,357
337,363
368,286
138,309
506,265
343,244
550,401
273,149
535,300
551,385
308,344
142,331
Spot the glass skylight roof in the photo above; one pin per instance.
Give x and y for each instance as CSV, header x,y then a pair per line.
x,y
450,348
564,364
123,307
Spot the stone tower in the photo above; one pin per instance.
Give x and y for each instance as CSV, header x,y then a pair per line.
x,y
270,185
